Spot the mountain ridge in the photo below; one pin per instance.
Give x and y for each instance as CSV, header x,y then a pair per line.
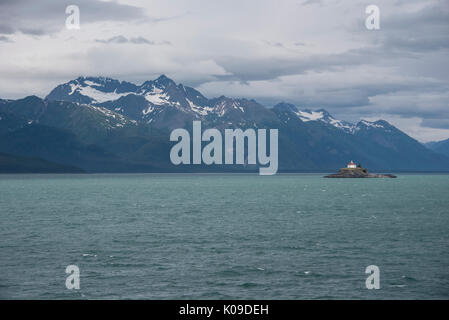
x,y
118,126
163,91
441,147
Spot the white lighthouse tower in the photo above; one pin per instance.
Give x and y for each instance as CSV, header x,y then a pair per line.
x,y
351,165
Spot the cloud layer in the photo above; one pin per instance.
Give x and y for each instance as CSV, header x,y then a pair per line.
x,y
317,54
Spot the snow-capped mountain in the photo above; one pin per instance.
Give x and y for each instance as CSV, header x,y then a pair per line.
x,y
160,102
146,101
163,103
323,116
91,90
105,125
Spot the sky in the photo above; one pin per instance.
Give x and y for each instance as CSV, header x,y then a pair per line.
x,y
312,53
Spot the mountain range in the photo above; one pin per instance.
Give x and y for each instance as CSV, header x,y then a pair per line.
x,y
98,124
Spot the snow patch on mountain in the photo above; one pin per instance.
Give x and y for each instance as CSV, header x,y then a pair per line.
x,y
203,111
113,119
342,124
157,98
239,108
371,124
92,83
148,110
97,96
325,117
306,116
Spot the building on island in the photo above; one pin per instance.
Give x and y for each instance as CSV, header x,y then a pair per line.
x,y
351,165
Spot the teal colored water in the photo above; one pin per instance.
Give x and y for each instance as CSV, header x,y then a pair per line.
x,y
223,236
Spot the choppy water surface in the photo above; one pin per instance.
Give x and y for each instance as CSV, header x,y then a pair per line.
x,y
223,236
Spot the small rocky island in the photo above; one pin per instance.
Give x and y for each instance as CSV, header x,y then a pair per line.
x,y
357,171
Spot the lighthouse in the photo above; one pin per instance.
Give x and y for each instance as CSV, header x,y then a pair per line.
x,y
351,165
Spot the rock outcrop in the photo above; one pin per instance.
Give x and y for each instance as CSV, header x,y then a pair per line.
x,y
357,173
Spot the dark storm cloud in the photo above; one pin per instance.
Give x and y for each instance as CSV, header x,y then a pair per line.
x,y
48,16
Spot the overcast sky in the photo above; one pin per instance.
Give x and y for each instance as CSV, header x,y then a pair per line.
x,y
313,53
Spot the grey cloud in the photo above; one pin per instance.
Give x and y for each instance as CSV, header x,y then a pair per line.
x,y
358,99
428,17
407,56
436,123
48,16
34,32
429,105
401,36
134,40
5,29
253,69
140,40
422,98
116,39
410,44
311,2
418,44
415,32
274,44
5,39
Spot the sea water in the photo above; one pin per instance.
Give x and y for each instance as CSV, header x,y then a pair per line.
x,y
234,236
